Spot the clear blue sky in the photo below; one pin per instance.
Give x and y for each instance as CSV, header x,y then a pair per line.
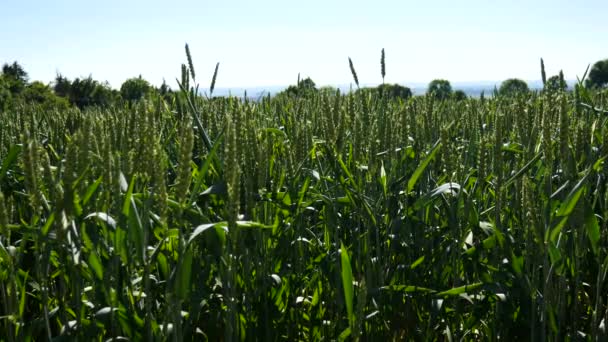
x,y
265,43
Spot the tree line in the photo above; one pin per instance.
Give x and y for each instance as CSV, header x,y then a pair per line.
x,y
442,89
15,88
62,93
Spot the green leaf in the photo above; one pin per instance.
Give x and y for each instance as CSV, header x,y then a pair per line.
x,y
407,289
522,170
184,271
344,334
303,191
127,203
554,255
121,244
517,263
204,227
459,290
104,312
95,265
346,170
104,217
568,205
570,202
252,224
451,188
487,244
215,189
163,266
91,190
10,158
347,283
417,262
593,229
554,232
513,147
383,179
23,293
47,226
420,169
136,230
275,131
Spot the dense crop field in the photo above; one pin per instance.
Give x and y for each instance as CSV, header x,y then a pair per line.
x,y
330,216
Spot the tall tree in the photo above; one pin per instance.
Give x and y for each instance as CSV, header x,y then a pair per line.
x,y
134,89
304,88
394,91
16,77
41,94
554,83
598,76
459,95
87,92
62,86
164,89
440,89
382,65
14,71
513,86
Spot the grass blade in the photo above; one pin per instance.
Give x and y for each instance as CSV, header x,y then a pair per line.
x,y
347,283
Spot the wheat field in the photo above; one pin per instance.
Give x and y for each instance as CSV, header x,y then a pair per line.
x,y
326,217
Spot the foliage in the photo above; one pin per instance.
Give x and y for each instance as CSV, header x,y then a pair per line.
x,y
440,89
135,89
62,86
15,77
555,84
459,95
15,71
87,92
598,76
394,91
15,90
513,87
382,65
164,89
43,95
387,91
304,88
328,90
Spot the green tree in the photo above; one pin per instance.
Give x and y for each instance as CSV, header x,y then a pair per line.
x,y
62,86
394,91
134,89
304,88
89,92
104,95
15,76
598,76
554,84
165,92
164,89
329,90
440,89
14,71
82,92
40,93
513,86
459,95
37,92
